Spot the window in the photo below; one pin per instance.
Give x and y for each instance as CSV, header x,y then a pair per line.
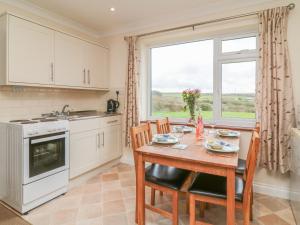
x,y
224,69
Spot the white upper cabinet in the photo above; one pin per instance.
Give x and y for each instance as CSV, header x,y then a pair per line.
x,y
69,70
96,66
31,52
34,55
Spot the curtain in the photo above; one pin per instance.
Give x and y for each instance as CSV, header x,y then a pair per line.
x,y
274,102
132,82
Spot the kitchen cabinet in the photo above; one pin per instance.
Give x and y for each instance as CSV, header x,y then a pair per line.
x,y
84,152
30,53
35,55
69,69
96,61
94,142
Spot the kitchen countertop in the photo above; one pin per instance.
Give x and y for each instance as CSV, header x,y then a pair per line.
x,y
81,115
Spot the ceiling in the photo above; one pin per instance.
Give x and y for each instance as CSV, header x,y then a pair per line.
x,y
129,14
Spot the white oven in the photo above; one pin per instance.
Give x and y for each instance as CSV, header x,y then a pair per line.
x,y
45,155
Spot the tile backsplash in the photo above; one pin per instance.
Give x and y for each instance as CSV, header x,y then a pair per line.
x,y
28,102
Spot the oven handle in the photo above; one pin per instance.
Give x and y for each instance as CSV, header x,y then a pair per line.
x,y
35,141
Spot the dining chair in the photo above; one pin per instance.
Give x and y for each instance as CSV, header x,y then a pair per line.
x,y
240,169
208,188
163,126
158,177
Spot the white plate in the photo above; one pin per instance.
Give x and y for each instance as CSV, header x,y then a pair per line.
x,y
184,129
231,133
226,147
164,139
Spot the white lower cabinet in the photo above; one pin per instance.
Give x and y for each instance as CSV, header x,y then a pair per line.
x,y
90,147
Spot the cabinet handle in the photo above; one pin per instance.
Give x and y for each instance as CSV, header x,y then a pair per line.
x,y
84,80
98,140
112,121
89,78
103,139
52,71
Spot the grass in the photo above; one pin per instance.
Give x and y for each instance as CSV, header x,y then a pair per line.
x,y
206,115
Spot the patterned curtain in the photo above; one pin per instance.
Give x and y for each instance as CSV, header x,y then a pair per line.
x,y
131,103
275,103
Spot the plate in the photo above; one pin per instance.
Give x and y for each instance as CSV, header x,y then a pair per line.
x,y
184,129
164,139
226,147
228,133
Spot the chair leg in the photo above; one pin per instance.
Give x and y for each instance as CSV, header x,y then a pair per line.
x,y
161,193
192,210
207,205
246,213
152,199
175,208
251,206
202,209
187,203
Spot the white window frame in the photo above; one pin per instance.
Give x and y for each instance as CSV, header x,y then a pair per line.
x,y
219,59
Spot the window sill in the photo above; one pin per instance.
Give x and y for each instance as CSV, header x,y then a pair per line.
x,y
176,123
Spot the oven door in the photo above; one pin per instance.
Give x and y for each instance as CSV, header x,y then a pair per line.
x,y
45,155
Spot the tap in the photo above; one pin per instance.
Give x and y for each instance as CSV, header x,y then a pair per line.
x,y
63,111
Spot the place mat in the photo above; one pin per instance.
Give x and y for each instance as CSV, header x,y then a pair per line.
x,y
9,217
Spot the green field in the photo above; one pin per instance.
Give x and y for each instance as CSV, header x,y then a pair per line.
x,y
233,105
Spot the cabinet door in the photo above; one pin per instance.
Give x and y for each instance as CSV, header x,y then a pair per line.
x,y
111,143
84,152
31,50
69,66
97,66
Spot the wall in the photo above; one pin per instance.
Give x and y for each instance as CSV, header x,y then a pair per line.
x,y
265,182
27,102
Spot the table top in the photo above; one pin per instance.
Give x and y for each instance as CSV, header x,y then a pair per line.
x,y
195,152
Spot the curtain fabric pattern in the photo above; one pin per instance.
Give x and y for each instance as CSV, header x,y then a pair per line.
x,y
131,103
274,100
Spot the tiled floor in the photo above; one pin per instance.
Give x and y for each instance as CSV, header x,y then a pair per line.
x,y
109,199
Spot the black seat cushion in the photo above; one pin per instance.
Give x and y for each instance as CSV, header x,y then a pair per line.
x,y
215,186
167,176
241,167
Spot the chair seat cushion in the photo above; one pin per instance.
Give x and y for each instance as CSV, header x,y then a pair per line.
x,y
241,167
166,176
215,186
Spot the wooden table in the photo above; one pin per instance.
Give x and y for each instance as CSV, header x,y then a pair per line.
x,y
194,158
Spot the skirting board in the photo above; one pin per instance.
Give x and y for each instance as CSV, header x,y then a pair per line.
x,y
271,190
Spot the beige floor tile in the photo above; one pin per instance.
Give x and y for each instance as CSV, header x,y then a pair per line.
x,y
92,188
287,215
128,183
113,208
120,219
110,177
91,211
91,198
112,195
64,216
112,185
274,204
272,219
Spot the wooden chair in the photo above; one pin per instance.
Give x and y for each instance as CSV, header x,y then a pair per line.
x,y
242,163
212,189
158,177
163,126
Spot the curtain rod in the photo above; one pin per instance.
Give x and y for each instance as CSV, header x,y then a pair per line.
x,y
290,7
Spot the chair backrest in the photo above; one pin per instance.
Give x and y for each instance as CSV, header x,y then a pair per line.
x,y
141,135
257,130
163,126
257,127
251,166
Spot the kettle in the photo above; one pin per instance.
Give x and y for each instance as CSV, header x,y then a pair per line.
x,y
112,106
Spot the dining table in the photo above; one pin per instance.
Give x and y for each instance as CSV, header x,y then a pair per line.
x,y
195,157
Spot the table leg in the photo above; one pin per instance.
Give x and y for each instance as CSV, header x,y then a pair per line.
x,y
141,190
230,197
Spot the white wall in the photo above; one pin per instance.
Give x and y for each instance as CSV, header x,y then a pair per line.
x,y
265,182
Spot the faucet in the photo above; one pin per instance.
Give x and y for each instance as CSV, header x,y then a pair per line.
x,y
63,111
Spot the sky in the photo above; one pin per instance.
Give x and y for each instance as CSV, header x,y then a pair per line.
x,y
190,65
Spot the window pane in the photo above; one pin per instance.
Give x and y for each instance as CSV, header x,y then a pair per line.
x,y
239,44
238,90
176,68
